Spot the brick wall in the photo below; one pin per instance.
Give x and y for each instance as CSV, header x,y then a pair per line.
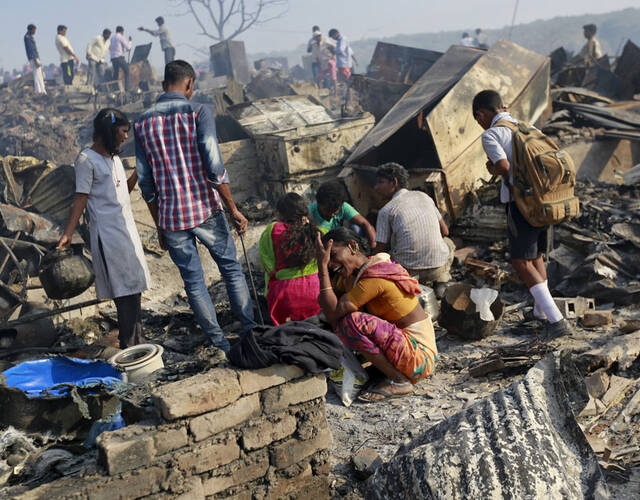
x,y
222,434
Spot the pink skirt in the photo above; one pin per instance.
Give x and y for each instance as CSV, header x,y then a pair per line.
x,y
293,300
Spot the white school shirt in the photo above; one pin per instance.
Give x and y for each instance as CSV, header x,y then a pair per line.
x,y
497,144
123,269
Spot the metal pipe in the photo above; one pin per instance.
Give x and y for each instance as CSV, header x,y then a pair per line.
x,y
17,263
253,285
33,317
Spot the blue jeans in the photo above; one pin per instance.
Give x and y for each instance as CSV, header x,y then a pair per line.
x,y
214,234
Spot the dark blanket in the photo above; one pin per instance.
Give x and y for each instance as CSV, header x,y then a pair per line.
x,y
295,343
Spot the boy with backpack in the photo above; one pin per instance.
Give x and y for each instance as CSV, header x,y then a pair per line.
x,y
537,188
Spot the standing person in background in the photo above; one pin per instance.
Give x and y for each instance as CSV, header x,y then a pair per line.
x,y
322,52
67,55
165,39
120,45
34,60
315,67
590,52
344,54
117,254
467,41
481,40
96,54
287,256
186,187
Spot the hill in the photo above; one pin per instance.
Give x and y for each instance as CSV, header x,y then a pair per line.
x,y
543,36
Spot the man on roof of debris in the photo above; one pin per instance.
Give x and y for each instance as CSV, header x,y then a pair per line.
x,y
481,41
165,39
315,67
67,55
411,228
590,52
344,54
119,46
34,60
96,54
466,40
324,62
527,243
186,187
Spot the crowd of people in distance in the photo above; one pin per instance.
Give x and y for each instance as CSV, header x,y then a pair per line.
x,y
116,46
332,58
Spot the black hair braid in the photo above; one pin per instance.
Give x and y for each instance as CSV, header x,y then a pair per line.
x,y
299,239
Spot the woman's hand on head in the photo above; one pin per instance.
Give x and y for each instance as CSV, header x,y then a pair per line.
x,y
323,252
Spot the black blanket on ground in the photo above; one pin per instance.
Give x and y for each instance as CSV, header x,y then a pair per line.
x,y
296,343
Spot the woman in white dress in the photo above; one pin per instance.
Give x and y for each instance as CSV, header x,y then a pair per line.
x,y
103,189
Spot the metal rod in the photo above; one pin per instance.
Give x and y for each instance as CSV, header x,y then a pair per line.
x,y
33,317
513,19
18,266
6,257
253,285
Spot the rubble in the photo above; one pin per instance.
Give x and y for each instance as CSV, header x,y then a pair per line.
x,y
543,452
597,318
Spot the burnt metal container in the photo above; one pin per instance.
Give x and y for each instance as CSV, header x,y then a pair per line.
x,y
458,314
65,274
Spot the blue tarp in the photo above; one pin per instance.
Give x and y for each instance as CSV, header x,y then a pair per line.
x,y
39,378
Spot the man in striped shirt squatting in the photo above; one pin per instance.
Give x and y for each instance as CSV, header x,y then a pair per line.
x,y
411,229
185,185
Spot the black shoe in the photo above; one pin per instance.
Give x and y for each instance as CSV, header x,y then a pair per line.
x,y
558,329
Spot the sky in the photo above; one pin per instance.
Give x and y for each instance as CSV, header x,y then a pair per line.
x,y
358,19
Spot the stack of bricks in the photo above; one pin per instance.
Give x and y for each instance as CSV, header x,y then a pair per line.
x,y
223,434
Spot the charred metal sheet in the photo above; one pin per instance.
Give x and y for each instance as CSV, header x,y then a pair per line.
x,y
377,96
559,58
140,53
521,442
40,228
425,92
53,193
628,70
229,58
279,114
600,116
400,64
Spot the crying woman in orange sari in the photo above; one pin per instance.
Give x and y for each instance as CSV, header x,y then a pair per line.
x,y
372,304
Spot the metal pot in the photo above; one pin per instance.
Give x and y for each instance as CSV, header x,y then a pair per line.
x,y
65,274
459,316
429,302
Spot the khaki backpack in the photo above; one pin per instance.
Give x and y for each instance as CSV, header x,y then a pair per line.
x,y
543,177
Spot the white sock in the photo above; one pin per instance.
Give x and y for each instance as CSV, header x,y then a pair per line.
x,y
544,300
537,310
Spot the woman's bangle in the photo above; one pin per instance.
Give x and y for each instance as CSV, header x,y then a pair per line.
x,y
327,288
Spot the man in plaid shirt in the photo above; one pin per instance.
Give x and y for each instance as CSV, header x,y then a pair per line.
x,y
186,187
